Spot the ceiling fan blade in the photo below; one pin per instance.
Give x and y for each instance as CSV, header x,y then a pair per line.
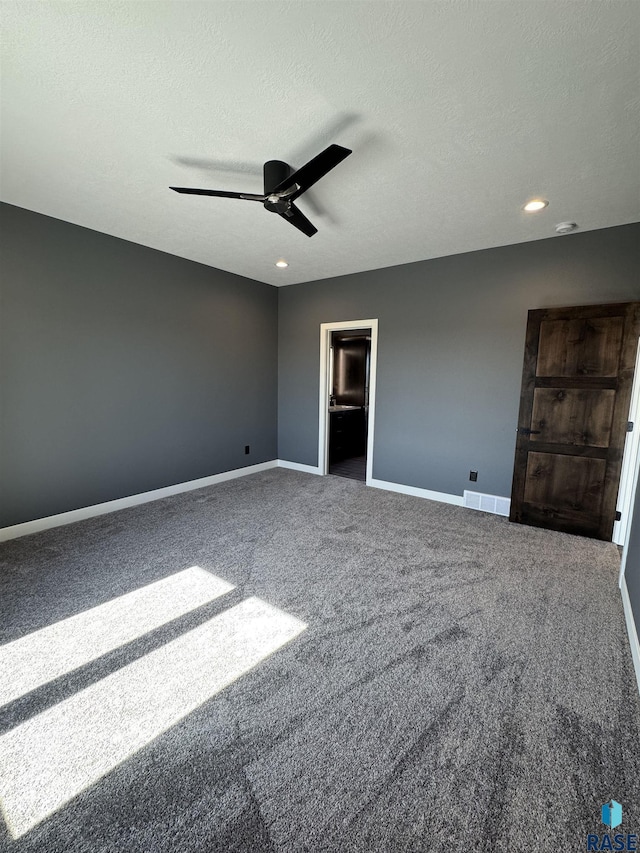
x,y
307,175
219,193
296,217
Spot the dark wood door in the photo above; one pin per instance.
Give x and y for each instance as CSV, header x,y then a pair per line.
x,y
576,391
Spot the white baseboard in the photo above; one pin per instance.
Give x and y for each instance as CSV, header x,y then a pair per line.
x,y
62,518
298,466
443,497
631,629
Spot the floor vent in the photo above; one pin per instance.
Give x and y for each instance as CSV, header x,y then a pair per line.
x,y
487,503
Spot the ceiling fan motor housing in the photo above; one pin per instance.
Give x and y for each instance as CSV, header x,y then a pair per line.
x,y
274,173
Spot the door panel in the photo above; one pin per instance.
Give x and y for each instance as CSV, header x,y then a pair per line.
x,y
567,482
572,416
580,347
564,491
576,387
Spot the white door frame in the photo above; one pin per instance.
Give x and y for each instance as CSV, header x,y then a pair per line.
x,y
630,464
325,390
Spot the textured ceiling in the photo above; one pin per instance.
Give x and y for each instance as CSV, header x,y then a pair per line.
x,y
457,113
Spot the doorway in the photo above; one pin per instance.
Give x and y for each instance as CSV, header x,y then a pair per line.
x,y
349,362
348,358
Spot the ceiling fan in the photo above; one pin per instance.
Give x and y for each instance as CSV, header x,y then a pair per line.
x,y
282,186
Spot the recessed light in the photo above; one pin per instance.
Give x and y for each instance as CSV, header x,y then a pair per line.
x,y
282,264
535,204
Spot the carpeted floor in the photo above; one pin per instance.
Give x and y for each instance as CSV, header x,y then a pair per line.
x,y
386,674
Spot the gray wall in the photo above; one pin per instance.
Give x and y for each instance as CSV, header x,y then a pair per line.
x,y
124,369
632,568
450,350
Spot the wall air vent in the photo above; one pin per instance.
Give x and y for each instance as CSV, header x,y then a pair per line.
x,y
487,503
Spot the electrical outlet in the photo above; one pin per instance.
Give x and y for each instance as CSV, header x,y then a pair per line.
x,y
247,450
473,476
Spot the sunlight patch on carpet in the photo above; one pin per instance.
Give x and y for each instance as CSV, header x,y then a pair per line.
x,y
48,760
58,649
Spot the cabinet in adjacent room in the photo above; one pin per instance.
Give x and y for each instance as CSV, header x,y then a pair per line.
x,y
347,434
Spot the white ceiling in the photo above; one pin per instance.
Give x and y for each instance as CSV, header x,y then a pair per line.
x,y
457,113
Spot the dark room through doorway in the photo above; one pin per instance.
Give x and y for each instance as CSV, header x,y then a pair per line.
x,y
350,370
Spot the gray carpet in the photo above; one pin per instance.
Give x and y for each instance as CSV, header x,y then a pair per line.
x,y
461,683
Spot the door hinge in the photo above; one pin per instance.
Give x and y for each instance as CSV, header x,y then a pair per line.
x,y
629,426
618,515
